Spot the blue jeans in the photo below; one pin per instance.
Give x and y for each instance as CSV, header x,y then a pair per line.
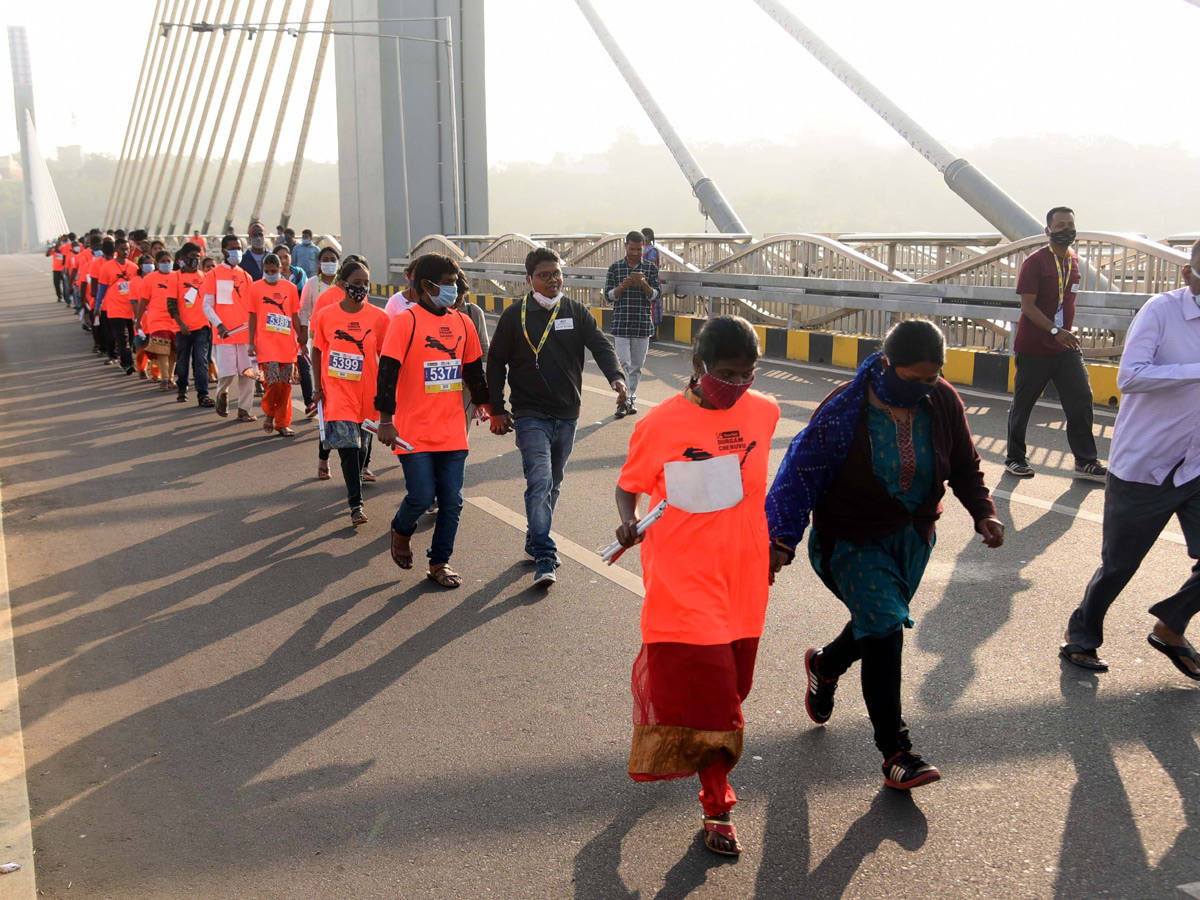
x,y
193,347
545,446
426,475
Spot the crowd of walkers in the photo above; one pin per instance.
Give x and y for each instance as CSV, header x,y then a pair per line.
x,y
868,473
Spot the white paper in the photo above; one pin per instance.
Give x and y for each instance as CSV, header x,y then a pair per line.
x,y
224,292
705,485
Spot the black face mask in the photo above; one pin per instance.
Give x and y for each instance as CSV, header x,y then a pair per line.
x,y
1064,238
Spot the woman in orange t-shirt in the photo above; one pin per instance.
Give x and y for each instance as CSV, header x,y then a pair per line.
x,y
706,573
347,337
274,319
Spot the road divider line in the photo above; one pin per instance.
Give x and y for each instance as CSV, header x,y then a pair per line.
x,y
1072,512
566,547
16,831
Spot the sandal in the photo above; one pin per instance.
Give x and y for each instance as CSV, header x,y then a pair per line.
x,y
1082,657
368,475
268,425
1176,655
357,516
444,575
401,550
725,829
322,471
203,401
222,405
286,432
244,416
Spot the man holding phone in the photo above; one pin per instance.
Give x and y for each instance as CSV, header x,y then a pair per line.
x,y
632,286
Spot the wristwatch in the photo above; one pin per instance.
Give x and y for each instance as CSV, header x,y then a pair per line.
x,y
1055,330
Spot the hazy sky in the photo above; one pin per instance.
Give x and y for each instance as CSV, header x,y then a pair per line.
x,y
968,71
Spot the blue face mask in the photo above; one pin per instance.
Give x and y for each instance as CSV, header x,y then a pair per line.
x,y
147,268
305,241
271,279
165,268
896,391
446,296
235,257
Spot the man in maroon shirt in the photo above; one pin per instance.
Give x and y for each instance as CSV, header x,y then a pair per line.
x,y
1048,351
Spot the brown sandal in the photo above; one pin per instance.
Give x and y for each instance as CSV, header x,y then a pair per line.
x,y
322,471
268,425
444,575
726,830
286,432
401,551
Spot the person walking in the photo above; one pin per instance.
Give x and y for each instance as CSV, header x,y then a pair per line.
x,y
632,286
871,469
153,318
193,338
118,284
252,259
226,294
306,254
1155,474
274,317
538,348
705,571
430,352
1047,350
347,337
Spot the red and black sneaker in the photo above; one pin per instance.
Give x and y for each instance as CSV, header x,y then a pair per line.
x,y
905,771
818,700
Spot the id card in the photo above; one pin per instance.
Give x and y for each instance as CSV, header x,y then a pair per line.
x,y
443,375
224,292
1058,317
706,485
346,366
189,297
564,324
279,323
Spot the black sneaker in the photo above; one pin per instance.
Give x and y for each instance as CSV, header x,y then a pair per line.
x,y
905,771
1020,468
631,408
1092,471
818,701
621,411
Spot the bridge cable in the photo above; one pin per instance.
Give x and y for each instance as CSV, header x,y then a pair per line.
x,y
294,180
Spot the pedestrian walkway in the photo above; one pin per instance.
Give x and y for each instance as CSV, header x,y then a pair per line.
x,y
227,689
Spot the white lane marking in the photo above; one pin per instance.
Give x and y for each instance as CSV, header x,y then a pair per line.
x,y
16,832
566,547
1192,890
1073,513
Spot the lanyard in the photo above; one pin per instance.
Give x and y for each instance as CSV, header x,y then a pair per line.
x,y
1064,278
545,334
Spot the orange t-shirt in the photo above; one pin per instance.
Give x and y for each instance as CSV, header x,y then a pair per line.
x,y
705,573
330,295
58,257
432,350
154,292
231,288
350,344
93,277
274,305
83,259
187,289
121,288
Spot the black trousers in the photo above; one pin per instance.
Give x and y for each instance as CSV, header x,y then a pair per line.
x,y
1069,374
120,332
881,660
58,284
100,335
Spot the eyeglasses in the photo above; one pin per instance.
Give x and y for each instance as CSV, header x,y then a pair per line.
x,y
548,276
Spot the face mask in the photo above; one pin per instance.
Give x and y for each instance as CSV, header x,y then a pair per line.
x,y
446,296
547,302
233,257
147,268
271,279
896,391
1064,238
722,394
356,292
165,268
189,262
74,248
329,268
305,241
258,242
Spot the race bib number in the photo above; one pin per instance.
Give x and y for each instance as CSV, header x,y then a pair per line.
x,y
189,297
224,293
443,375
123,288
280,324
346,366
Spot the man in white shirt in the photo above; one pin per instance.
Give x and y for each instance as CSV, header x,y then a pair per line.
x,y
1154,474
402,300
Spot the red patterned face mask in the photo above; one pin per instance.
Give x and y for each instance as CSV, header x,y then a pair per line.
x,y
722,394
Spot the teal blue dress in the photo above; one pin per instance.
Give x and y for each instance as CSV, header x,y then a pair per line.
x,y
878,579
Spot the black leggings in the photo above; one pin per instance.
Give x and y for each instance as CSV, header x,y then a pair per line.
x,y
881,658
353,462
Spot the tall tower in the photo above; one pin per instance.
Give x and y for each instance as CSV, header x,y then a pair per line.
x,y
22,77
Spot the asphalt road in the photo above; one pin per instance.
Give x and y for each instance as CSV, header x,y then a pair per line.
x,y
227,691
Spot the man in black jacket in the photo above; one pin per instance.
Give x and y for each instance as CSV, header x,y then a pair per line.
x,y
538,347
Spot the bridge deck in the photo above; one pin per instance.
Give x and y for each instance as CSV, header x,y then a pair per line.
x,y
226,689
